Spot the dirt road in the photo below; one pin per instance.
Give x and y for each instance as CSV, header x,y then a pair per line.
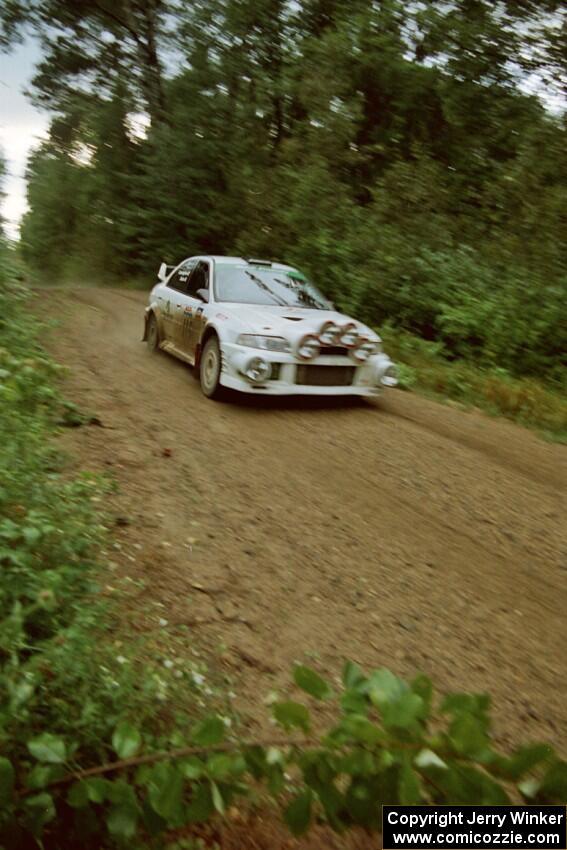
x,y
397,533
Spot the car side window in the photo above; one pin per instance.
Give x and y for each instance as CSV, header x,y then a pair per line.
x,y
180,278
199,279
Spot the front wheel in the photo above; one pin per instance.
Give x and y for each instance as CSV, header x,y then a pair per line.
x,y
152,333
210,369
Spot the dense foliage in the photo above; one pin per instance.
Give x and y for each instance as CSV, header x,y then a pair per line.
x,y
385,147
57,679
423,367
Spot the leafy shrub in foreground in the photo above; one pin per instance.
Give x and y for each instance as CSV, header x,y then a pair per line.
x,y
393,742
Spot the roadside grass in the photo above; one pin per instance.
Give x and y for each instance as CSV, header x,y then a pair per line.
x,y
66,680
526,401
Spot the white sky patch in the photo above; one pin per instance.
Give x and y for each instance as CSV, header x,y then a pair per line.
x,y
552,98
138,124
22,127
16,143
82,154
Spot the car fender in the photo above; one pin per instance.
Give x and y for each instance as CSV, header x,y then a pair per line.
x,y
152,308
211,327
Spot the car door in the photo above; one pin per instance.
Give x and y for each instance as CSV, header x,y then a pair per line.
x,y
172,305
191,318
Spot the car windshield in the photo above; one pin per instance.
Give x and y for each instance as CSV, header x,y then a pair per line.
x,y
269,286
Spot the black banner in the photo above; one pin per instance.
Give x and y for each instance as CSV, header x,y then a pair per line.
x,y
479,827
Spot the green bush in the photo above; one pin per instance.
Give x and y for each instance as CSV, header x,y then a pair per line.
x,y
57,676
425,367
392,743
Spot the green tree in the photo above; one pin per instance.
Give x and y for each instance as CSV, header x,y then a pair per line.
x,y
79,192
87,44
384,147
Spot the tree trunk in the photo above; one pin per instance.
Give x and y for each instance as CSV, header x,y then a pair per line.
x,y
152,74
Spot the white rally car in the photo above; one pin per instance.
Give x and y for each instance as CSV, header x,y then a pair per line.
x,y
263,328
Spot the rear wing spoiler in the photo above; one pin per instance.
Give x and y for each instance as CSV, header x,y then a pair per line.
x,y
164,271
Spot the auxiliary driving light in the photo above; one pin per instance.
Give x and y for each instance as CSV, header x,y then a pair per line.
x,y
309,347
365,349
330,333
258,370
349,336
390,377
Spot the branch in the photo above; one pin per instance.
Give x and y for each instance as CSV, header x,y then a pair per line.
x,y
168,755
117,20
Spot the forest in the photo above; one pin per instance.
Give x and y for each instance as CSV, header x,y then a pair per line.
x,y
389,149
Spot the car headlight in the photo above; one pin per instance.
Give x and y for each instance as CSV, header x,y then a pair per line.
x,y
258,370
349,336
330,333
267,343
365,349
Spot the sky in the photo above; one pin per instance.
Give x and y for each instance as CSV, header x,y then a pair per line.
x,y
21,128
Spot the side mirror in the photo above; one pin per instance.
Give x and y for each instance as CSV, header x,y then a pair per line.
x,y
203,294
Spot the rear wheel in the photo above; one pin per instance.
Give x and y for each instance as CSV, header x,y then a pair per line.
x,y
210,369
152,333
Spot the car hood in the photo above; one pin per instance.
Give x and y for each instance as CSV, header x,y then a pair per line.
x,y
289,322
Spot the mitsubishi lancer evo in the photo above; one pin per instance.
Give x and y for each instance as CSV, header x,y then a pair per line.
x,y
261,327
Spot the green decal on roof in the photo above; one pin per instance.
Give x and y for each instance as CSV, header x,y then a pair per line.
x,y
295,275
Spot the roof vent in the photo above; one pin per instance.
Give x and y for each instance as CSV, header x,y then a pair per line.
x,y
254,262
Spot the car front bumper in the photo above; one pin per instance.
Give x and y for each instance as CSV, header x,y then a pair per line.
x,y
294,377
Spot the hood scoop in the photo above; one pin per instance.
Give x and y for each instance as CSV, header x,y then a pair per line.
x,y
293,318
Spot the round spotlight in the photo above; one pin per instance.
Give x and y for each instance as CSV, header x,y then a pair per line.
x,y
349,336
258,370
364,349
309,347
390,377
330,333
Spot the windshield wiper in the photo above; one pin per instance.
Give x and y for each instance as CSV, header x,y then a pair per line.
x,y
266,288
302,294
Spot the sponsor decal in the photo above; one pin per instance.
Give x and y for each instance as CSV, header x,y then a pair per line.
x,y
221,316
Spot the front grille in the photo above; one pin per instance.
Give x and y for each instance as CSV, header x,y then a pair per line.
x,y
325,376
334,350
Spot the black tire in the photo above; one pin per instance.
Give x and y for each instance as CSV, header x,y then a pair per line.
x,y
152,334
210,369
